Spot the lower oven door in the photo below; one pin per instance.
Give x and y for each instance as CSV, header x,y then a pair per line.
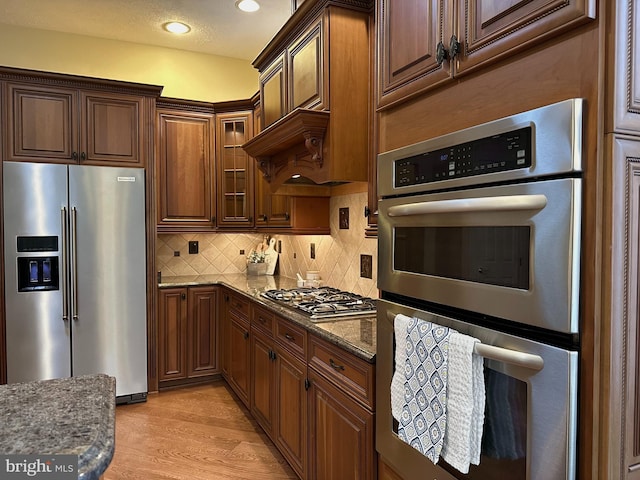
x,y
530,415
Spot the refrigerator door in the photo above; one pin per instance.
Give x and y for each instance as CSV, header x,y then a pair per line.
x,y
38,339
108,274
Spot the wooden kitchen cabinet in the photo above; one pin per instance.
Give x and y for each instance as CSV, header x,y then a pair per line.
x,y
235,170
341,413
278,379
422,44
341,433
237,346
187,335
316,68
262,370
172,334
273,92
70,125
185,168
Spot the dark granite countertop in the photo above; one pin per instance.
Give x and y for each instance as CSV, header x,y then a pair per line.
x,y
72,416
356,335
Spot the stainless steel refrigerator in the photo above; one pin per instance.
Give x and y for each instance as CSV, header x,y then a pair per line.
x,y
75,273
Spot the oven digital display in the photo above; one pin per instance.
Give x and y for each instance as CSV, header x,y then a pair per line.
x,y
498,153
492,255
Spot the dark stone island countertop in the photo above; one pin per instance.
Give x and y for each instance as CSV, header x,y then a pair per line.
x,y
72,416
356,335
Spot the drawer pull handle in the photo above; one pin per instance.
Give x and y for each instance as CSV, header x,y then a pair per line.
x,y
335,365
288,337
262,320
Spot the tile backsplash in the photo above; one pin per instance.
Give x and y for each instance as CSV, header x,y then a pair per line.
x,y
337,256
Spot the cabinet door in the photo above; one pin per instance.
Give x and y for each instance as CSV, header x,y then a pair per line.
x,y
495,29
239,358
341,434
111,130
291,430
306,70
185,179
273,92
235,171
203,331
172,334
408,35
41,124
263,381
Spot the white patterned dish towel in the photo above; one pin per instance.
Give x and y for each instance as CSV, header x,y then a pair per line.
x,y
437,391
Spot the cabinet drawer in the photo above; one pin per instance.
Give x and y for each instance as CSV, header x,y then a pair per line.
x,y
348,372
263,319
239,306
292,337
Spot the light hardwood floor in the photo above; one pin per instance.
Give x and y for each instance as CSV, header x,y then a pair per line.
x,y
194,433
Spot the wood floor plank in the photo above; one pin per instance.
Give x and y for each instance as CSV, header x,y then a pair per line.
x,y
195,433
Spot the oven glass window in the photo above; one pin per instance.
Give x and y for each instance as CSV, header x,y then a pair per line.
x,y
490,255
504,437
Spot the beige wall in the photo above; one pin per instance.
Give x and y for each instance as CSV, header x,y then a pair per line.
x,y
183,74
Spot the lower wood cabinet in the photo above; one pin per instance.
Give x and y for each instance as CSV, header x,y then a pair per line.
x,y
237,346
187,335
279,383
312,398
341,434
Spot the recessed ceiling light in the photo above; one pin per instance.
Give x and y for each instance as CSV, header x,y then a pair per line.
x,y
176,27
248,5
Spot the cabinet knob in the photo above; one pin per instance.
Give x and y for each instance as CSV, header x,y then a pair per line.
x,y
83,156
264,217
183,296
454,47
250,219
441,53
288,337
307,384
286,216
74,156
246,335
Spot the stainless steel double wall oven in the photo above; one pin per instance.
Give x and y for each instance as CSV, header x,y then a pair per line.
x,y
480,230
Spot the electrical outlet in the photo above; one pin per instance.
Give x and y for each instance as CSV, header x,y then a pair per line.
x,y
344,218
241,252
193,247
313,250
366,266
176,253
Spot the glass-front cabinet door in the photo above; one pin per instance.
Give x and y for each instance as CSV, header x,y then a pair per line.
x,y
235,170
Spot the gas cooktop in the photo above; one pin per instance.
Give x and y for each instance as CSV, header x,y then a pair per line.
x,y
323,303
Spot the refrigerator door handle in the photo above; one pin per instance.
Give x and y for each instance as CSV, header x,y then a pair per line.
x,y
74,263
65,268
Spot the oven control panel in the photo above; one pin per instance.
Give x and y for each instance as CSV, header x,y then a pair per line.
x,y
497,153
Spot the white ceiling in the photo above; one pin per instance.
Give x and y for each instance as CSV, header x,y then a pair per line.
x,y
217,26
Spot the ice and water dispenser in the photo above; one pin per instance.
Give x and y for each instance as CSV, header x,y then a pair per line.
x,y
36,273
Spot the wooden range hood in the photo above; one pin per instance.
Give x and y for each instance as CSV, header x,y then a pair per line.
x,y
323,133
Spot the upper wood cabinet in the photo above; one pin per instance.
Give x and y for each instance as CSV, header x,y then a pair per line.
x,y
273,92
185,169
423,43
234,170
315,92
66,125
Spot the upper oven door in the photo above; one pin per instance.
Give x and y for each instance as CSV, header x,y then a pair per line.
x,y
510,251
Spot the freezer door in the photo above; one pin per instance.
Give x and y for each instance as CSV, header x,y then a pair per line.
x,y
38,339
107,212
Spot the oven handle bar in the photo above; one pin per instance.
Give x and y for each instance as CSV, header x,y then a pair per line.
x,y
503,355
467,205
